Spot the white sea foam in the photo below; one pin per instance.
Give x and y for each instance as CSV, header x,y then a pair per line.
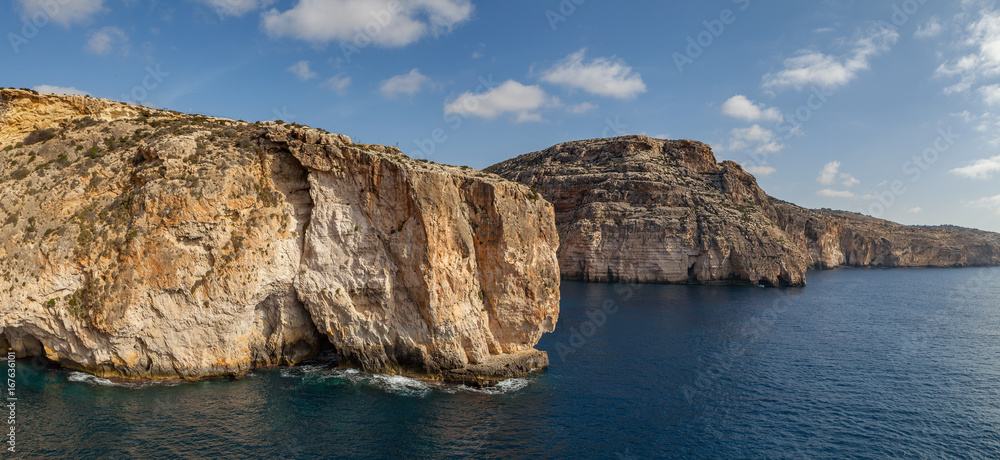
x,y
90,379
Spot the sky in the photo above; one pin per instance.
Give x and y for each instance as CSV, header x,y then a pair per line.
x,y
886,107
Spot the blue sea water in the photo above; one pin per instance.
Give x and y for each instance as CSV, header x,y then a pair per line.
x,y
859,364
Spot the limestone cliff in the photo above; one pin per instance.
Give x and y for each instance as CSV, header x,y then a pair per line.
x,y
831,239
139,243
641,209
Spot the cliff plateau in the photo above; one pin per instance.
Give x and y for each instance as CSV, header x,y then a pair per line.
x,y
147,244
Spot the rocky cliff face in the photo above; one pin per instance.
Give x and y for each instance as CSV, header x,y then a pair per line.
x,y
648,210
640,209
139,243
831,239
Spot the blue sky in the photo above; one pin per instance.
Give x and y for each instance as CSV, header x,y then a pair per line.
x,y
891,108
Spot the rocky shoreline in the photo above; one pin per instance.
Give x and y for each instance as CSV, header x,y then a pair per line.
x,y
148,244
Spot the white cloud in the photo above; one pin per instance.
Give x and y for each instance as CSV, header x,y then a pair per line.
x,y
104,41
836,193
823,30
236,7
582,108
916,210
930,29
828,72
992,202
991,94
609,77
409,83
759,170
49,89
830,174
301,69
338,83
510,97
740,107
61,12
755,138
389,23
982,169
984,37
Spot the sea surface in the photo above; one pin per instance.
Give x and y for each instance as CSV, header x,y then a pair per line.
x,y
858,364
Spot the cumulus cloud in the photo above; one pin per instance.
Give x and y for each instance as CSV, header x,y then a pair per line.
x,y
831,193
755,138
829,72
740,107
389,23
982,169
608,77
338,83
409,83
106,39
983,36
236,7
61,12
930,29
70,91
830,174
759,170
510,97
301,69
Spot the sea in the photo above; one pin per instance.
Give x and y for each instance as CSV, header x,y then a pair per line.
x,y
861,363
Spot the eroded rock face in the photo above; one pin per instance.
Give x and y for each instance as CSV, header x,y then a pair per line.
x,y
641,209
148,244
833,239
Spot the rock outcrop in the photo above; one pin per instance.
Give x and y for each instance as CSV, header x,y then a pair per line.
x,y
147,244
648,210
832,239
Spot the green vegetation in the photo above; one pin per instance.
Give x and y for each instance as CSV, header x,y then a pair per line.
x,y
39,136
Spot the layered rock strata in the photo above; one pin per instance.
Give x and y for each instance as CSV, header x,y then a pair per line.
x,y
831,239
648,210
147,244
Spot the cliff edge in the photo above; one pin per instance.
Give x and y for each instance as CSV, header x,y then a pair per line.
x,y
639,209
148,244
648,210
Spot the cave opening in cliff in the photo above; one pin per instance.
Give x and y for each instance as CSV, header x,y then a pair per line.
x,y
26,346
